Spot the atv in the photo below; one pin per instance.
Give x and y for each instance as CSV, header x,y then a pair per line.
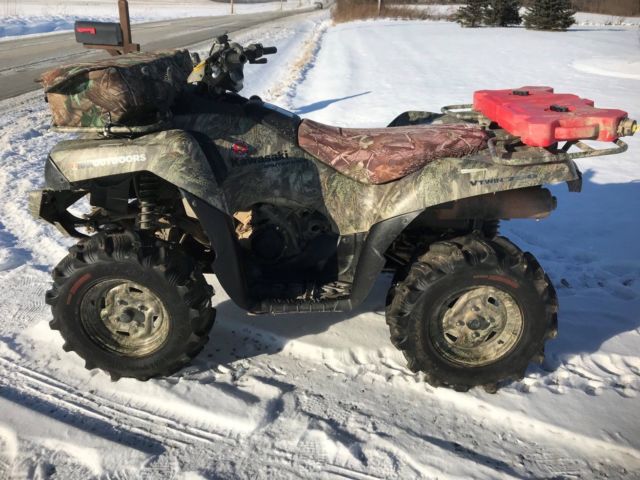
x,y
293,216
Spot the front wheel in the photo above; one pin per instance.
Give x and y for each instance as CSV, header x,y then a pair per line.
x,y
472,311
132,307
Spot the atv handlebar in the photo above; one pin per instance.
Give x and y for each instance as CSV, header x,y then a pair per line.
x,y
256,50
223,69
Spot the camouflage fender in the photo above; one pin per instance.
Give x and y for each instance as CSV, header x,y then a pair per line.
x,y
353,206
173,155
356,207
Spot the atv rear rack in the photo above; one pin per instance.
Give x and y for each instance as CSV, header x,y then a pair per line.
x,y
465,112
503,146
546,155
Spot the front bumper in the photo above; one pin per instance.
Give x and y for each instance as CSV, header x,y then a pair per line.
x,y
51,206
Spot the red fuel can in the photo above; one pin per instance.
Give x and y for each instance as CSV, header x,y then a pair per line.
x,y
541,117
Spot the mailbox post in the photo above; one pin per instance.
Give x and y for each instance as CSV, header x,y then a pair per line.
x,y
125,24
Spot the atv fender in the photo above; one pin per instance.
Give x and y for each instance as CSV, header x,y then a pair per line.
x,y
227,265
173,155
418,117
372,258
357,207
415,117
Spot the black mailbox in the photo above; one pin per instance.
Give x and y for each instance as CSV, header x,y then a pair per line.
x,y
98,33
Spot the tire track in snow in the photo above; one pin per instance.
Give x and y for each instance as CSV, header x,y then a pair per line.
x,y
591,447
134,424
176,433
536,437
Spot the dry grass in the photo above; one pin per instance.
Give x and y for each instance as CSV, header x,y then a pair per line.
x,y
349,10
623,8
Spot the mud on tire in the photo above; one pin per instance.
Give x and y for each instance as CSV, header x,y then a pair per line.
x,y
134,284
437,317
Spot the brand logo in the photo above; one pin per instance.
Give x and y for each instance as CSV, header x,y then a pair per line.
x,y
491,181
240,150
110,161
274,157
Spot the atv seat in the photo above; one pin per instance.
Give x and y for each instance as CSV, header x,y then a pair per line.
x,y
381,155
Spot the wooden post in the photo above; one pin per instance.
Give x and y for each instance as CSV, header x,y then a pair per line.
x,y
231,7
125,24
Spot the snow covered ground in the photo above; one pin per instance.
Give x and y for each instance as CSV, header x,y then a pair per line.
x,y
327,396
28,17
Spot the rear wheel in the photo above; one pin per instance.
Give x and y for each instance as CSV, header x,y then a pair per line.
x,y
129,306
472,311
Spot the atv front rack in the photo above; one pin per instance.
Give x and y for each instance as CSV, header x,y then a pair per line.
x,y
111,130
507,149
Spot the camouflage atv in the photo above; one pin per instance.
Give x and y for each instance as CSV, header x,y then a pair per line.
x,y
292,216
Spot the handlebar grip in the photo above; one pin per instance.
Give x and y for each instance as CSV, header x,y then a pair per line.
x,y
269,50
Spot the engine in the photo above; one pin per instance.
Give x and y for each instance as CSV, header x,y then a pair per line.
x,y
282,237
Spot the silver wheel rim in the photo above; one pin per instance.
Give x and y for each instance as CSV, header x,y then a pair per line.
x,y
478,327
124,317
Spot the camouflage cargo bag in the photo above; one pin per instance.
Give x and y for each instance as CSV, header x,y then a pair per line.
x,y
133,89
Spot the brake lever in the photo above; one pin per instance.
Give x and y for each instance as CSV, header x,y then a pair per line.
x,y
258,60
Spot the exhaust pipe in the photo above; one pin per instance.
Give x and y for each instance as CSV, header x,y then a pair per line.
x,y
531,202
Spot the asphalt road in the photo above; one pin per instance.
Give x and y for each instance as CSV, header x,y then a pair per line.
x,y
23,60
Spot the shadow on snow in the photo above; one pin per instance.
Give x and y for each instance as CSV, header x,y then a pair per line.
x,y
90,424
312,107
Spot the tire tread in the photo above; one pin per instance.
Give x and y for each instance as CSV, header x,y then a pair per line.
x,y
176,268
444,258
